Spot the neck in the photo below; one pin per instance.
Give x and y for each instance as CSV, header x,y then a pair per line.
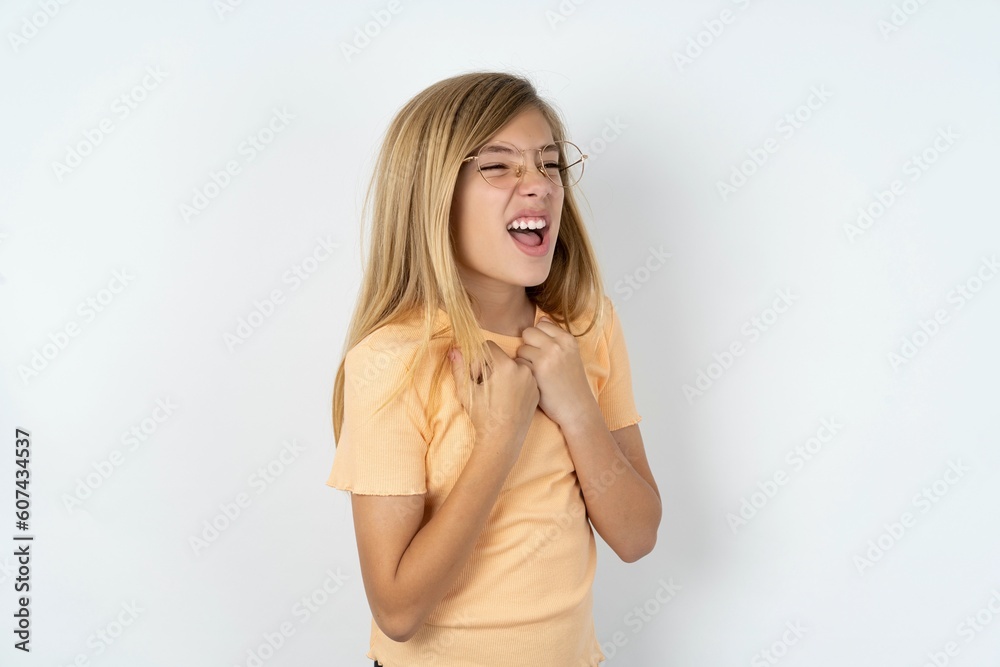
x,y
507,313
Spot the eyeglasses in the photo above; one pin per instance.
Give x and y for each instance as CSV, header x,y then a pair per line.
x,y
502,164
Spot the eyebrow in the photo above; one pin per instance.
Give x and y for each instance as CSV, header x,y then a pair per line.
x,y
497,148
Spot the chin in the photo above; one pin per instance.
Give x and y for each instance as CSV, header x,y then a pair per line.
x,y
537,280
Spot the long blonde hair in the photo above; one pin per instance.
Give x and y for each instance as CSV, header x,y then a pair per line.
x,y
411,268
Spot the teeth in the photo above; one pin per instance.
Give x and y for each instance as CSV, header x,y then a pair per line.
x,y
527,223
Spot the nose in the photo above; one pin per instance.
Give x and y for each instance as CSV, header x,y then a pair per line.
x,y
533,180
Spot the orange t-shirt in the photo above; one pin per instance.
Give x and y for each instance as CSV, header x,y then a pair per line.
x,y
525,595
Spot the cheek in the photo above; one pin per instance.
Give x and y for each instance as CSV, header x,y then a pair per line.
x,y
478,211
482,211
473,213
461,213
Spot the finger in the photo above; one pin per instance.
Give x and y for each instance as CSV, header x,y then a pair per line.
x,y
498,354
529,353
538,337
549,327
457,365
493,347
479,373
461,379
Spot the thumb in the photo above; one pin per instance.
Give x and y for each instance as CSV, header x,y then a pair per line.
x,y
456,365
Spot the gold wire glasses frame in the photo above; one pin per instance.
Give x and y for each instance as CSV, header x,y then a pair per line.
x,y
501,164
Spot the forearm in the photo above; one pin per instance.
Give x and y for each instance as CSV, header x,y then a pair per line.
x,y
623,507
438,552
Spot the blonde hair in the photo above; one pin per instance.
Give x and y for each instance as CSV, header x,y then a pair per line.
x,y
410,269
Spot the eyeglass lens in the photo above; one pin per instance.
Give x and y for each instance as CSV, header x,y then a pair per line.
x,y
502,164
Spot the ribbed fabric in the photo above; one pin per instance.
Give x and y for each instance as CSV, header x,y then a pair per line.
x,y
525,595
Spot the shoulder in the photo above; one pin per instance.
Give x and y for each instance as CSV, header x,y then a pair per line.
x,y
603,310
399,340
612,323
604,318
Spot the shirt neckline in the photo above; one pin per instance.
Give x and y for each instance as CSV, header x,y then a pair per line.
x,y
492,335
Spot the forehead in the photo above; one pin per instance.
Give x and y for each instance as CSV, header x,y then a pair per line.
x,y
528,129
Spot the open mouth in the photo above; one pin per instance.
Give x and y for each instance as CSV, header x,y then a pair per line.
x,y
529,232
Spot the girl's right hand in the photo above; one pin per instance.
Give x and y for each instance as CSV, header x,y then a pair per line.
x,y
513,398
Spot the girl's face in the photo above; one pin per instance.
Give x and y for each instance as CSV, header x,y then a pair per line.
x,y
490,257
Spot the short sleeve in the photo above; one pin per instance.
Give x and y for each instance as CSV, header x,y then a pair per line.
x,y
615,395
379,453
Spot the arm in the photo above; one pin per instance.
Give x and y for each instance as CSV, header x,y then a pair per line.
x,y
406,569
622,499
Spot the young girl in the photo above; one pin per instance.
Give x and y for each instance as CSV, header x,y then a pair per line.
x,y
483,411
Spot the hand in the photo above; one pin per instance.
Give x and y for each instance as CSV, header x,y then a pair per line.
x,y
513,399
553,355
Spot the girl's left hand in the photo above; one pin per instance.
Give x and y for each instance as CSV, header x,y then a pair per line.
x,y
555,362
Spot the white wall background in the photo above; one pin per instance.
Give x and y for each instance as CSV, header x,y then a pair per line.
x,y
894,77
